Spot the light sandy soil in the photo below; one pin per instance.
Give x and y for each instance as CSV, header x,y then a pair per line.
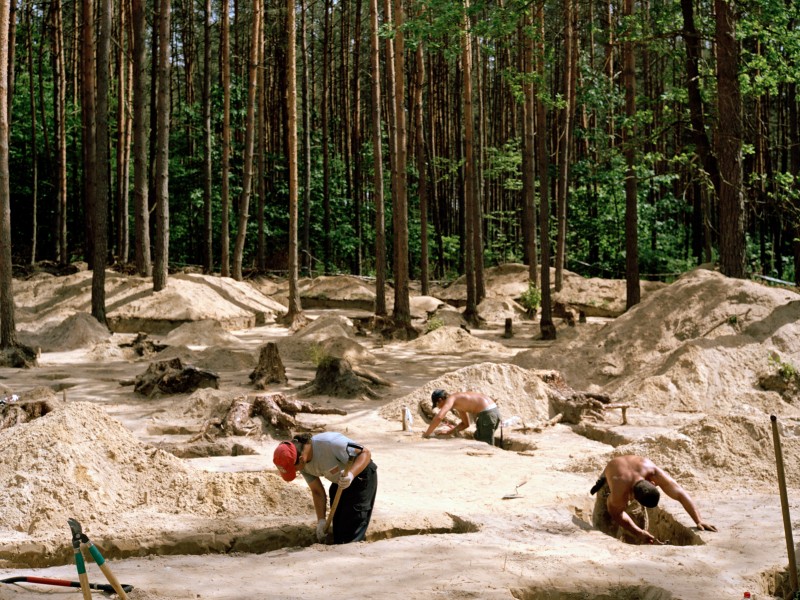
x,y
696,362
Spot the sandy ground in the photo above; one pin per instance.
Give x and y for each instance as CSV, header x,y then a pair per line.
x,y
695,362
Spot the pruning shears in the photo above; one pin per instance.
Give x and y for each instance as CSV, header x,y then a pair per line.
x,y
81,540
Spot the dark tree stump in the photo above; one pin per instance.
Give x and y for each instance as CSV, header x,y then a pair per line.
x,y
335,377
144,346
269,369
18,357
171,377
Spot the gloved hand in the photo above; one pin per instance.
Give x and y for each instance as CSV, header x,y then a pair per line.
x,y
321,530
345,479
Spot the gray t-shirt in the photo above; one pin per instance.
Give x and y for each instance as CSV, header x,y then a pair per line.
x,y
329,456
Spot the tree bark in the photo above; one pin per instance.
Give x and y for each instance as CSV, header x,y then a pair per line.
x,y
141,184
8,333
729,135
377,168
633,292
249,141
470,195
225,268
208,231
161,253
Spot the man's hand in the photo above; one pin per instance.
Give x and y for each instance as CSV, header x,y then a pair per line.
x,y
426,436
345,479
705,527
321,530
650,539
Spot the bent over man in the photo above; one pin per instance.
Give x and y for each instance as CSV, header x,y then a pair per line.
x,y
328,455
485,411
628,478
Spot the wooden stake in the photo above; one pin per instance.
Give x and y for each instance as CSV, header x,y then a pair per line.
x,y
787,522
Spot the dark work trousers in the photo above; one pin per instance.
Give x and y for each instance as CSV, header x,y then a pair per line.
x,y
355,506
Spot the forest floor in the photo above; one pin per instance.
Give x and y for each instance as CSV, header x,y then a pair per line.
x,y
698,362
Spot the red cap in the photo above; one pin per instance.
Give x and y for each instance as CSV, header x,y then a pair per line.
x,y
747,594
284,458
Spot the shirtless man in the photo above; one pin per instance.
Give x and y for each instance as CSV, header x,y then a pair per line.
x,y
486,414
635,477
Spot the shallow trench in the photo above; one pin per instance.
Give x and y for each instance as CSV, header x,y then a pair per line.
x,y
630,592
253,541
774,583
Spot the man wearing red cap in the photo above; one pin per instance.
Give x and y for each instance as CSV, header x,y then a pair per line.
x,y
346,465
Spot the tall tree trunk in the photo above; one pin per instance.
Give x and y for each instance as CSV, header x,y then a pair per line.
x,y
101,146
208,223
530,255
12,62
249,140
261,156
633,293
564,147
305,248
59,110
141,185
422,170
326,161
377,168
548,329
8,332
294,314
34,156
225,268
88,122
123,134
697,126
161,255
356,143
729,135
402,305
470,195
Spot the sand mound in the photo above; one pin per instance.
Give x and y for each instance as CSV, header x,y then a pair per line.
x,y
324,336
200,333
715,451
700,344
79,330
77,461
497,310
517,391
454,340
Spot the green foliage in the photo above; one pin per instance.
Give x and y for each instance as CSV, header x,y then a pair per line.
x,y
531,298
433,324
785,370
318,356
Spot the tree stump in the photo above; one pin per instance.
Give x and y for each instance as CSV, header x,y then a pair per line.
x,y
18,357
335,377
249,416
171,377
269,369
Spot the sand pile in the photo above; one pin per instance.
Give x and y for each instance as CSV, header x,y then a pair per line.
x,y
78,462
454,340
200,333
716,451
497,310
517,391
79,330
330,335
701,343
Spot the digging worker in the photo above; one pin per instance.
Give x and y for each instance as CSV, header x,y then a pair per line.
x,y
347,465
627,478
485,411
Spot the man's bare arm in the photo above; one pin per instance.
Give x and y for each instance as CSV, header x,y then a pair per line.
x,y
674,490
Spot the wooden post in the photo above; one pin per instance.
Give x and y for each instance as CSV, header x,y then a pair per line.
x,y
509,331
787,522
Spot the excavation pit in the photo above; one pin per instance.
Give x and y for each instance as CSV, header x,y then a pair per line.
x,y
660,523
616,593
775,583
